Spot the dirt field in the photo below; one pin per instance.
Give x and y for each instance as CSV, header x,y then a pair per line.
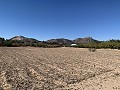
x,y
27,68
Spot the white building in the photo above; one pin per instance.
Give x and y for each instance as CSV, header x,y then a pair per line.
x,y
73,44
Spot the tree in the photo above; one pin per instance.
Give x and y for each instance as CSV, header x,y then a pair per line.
x,y
2,40
8,43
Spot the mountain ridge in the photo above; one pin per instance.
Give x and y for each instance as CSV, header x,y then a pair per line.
x,y
87,42
84,40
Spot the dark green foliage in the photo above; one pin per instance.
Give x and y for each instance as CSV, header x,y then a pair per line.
x,y
2,40
112,44
8,43
119,48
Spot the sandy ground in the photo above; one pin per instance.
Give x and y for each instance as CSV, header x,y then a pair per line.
x,y
27,68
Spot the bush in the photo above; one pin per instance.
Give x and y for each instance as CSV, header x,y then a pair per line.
x,y
118,48
92,49
8,43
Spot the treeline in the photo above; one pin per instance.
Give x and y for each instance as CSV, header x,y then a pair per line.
x,y
112,44
24,43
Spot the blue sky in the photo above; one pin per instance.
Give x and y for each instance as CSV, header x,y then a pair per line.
x,y
46,19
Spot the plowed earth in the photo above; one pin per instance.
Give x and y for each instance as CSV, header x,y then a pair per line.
x,y
27,68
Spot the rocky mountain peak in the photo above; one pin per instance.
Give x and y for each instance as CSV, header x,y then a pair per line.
x,y
18,38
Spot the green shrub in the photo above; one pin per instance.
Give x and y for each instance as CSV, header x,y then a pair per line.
x,y
8,43
92,49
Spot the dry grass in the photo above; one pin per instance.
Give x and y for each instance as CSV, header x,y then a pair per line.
x,y
59,69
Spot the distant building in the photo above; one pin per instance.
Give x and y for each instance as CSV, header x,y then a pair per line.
x,y
73,44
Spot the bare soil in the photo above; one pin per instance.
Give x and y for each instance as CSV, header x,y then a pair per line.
x,y
28,68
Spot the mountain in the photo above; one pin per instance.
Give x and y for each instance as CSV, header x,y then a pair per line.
x,y
76,41
84,40
24,39
60,41
55,41
18,38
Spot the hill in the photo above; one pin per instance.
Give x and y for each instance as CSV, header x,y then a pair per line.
x,y
24,39
85,40
60,41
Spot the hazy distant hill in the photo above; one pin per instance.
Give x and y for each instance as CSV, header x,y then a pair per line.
x,y
24,39
60,41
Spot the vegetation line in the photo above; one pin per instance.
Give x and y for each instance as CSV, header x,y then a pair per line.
x,y
19,41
